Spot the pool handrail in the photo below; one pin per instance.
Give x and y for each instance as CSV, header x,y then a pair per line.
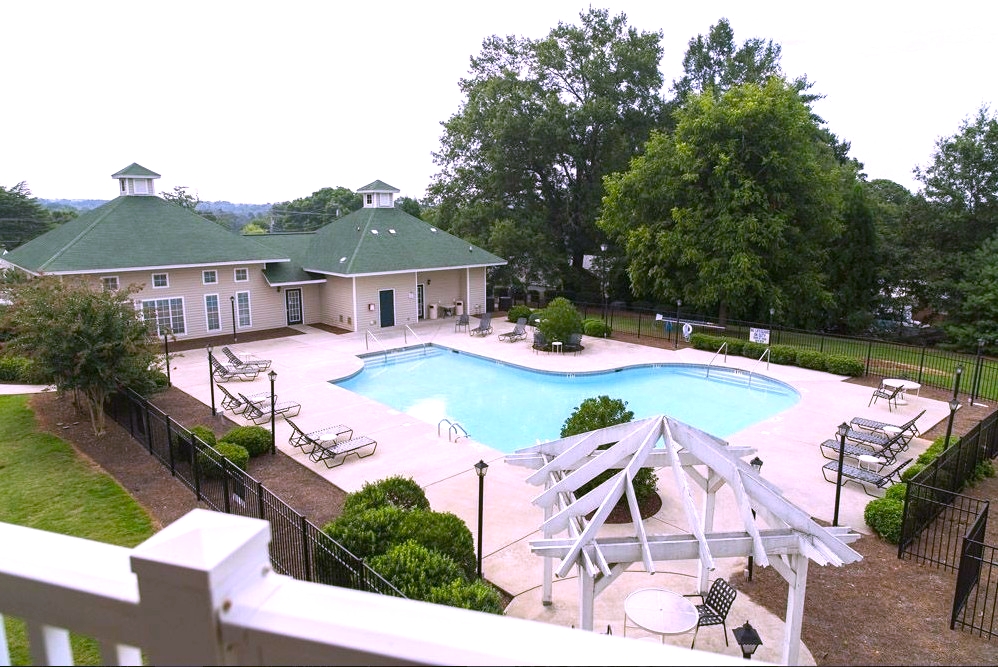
x,y
415,335
724,346
453,427
369,333
765,355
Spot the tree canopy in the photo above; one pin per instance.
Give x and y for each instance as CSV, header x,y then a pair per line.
x,y
22,218
542,123
735,209
312,212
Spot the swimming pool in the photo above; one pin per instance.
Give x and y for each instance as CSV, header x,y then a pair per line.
x,y
509,407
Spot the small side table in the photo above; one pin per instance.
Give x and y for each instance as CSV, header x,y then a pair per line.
x,y
870,462
556,347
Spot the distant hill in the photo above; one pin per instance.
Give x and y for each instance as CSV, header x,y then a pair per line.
x,y
241,211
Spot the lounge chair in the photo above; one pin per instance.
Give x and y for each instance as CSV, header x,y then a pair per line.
x,y
307,442
888,429
540,342
462,321
250,361
898,440
225,372
259,413
574,343
890,393
328,453
484,327
519,331
861,476
854,450
236,405
715,607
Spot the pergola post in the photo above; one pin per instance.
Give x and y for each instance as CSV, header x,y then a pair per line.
x,y
547,584
795,609
709,503
587,598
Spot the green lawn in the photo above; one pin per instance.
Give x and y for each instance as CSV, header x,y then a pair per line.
x,y
45,485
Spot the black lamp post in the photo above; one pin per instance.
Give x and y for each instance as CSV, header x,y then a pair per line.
x,y
211,381
481,469
679,302
166,346
273,440
772,311
748,639
603,284
232,302
756,464
843,431
954,405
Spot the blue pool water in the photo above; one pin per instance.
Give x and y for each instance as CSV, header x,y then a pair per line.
x,y
508,407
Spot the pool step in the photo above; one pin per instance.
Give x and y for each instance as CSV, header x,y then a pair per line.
x,y
400,355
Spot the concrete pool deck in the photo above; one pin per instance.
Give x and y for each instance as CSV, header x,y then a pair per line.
x,y
786,442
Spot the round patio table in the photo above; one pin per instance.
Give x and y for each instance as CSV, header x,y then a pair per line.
x,y
906,386
659,611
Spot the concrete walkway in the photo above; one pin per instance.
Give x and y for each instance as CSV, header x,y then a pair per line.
x,y
787,443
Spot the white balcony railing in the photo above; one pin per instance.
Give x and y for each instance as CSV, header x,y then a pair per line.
x,y
201,591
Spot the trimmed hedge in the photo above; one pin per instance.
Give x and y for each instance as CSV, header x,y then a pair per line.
x,y
210,463
416,570
516,312
206,435
396,491
782,354
256,439
596,328
884,516
474,595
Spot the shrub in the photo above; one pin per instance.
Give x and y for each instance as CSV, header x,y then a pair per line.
x,y
783,354
884,516
256,439
736,346
841,364
14,368
416,570
396,491
911,470
206,435
210,460
753,350
516,312
475,595
560,320
369,532
236,454
811,359
896,491
443,532
596,328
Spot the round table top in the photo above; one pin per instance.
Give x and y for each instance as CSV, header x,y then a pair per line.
x,y
868,458
661,611
904,384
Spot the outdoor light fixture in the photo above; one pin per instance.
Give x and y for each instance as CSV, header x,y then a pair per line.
x,y
166,346
954,405
481,469
603,279
273,440
232,302
748,639
756,464
211,381
679,302
843,431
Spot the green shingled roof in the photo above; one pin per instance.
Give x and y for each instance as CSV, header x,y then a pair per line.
x,y
291,245
135,170
136,232
377,186
388,240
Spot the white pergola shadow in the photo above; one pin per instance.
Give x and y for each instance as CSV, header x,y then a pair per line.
x,y
787,540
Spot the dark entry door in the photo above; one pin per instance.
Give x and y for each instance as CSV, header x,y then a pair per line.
x,y
386,298
292,303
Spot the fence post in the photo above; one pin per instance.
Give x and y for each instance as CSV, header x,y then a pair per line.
x,y
259,498
225,485
902,538
145,415
639,325
869,354
921,364
169,445
196,467
305,551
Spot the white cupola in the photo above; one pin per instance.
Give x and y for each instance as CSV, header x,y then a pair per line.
x,y
136,180
378,195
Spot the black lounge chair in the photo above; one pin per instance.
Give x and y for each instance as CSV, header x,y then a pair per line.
x,y
259,413
223,372
890,393
519,331
237,405
715,607
862,476
853,450
888,429
897,441
328,453
484,327
250,361
307,442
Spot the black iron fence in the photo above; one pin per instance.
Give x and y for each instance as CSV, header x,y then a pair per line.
x,y
297,547
935,523
922,363
975,602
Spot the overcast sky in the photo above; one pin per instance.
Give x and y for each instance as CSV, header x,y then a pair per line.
x,y
256,102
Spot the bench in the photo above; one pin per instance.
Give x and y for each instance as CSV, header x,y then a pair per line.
x,y
329,453
863,477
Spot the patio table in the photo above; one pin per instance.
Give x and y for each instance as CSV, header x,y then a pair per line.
x,y
906,386
659,611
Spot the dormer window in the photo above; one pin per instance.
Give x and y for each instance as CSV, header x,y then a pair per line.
x,y
136,180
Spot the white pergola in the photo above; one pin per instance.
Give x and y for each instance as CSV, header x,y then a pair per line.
x,y
779,534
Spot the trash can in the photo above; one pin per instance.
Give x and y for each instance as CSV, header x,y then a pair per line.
x,y
433,311
459,307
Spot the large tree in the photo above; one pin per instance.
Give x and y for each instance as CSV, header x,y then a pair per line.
x,y
543,121
89,340
22,218
735,210
312,212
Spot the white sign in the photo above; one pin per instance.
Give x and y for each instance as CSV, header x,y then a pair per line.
x,y
759,336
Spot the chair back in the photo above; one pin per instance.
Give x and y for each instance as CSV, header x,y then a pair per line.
x,y
231,356
462,319
521,325
720,597
486,321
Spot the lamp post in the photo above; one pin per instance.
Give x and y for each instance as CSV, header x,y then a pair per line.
x,y
273,440
603,284
772,311
679,302
481,469
756,464
232,302
954,405
211,380
843,430
748,639
166,346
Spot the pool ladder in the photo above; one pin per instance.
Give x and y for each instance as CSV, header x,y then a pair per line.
x,y
453,429
724,349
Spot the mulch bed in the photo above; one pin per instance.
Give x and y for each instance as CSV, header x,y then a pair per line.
x,y
880,611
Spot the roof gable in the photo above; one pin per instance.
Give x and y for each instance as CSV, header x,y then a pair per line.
x,y
135,170
377,186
